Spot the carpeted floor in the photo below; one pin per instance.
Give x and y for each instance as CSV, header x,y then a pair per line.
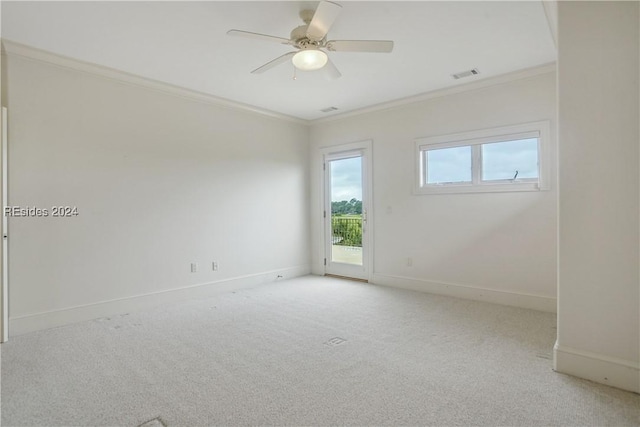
x,y
308,351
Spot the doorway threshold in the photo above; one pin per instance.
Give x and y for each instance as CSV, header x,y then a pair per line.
x,y
353,279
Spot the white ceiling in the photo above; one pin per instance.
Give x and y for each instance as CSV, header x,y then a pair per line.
x,y
185,44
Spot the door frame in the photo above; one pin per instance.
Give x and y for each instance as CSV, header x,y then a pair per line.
x,y
335,152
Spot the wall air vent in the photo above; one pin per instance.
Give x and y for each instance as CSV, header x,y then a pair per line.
x,y
464,74
329,109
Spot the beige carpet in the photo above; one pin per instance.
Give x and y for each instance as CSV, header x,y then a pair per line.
x,y
308,351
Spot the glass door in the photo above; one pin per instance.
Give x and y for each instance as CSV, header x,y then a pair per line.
x,y
346,214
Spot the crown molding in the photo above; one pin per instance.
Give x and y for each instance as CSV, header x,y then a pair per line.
x,y
12,48
452,90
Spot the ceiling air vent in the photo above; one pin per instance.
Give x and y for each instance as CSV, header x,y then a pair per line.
x,y
329,109
464,74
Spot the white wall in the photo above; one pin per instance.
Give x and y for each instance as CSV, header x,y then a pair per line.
x,y
159,182
499,247
598,76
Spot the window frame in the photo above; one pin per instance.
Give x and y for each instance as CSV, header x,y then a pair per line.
x,y
475,140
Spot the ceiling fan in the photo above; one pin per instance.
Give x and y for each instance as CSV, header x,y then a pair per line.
x,y
310,40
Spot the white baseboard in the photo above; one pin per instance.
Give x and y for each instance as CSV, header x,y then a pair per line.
x,y
533,302
50,319
619,373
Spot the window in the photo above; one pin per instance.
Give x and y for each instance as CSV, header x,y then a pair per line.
x,y
448,165
512,158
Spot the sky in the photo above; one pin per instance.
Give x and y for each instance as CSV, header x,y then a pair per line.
x,y
346,179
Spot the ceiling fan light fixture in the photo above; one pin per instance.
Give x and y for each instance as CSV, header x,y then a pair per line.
x,y
311,38
309,59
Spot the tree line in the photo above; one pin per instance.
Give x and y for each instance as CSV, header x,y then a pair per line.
x,y
344,207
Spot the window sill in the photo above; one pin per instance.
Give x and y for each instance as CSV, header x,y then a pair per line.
x,y
481,188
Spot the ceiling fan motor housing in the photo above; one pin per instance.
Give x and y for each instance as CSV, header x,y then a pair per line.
x,y
300,39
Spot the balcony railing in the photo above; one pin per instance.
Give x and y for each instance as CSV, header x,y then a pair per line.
x,y
347,230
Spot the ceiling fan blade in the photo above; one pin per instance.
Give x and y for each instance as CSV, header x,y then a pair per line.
x,y
269,65
322,20
382,46
330,71
248,34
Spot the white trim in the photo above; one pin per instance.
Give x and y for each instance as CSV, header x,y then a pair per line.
x,y
346,147
438,93
534,302
484,136
343,155
17,49
474,139
50,319
597,367
468,188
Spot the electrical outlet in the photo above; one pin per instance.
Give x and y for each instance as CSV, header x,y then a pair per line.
x,y
409,262
194,267
214,265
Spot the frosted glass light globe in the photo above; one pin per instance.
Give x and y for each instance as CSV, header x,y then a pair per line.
x,y
309,59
